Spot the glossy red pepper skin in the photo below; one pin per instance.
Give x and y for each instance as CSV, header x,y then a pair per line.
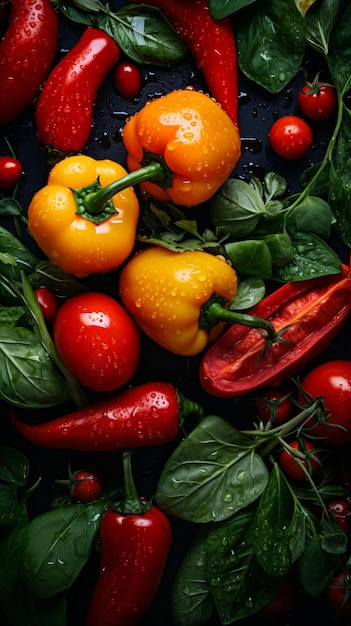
x,y
27,51
64,112
311,311
146,415
211,43
133,554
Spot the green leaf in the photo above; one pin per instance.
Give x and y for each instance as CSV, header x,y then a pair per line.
x,y
12,315
340,186
271,43
213,473
319,22
239,586
28,377
279,527
312,258
191,601
51,277
24,259
223,8
10,206
339,61
58,544
280,248
250,291
251,257
311,215
144,35
237,205
14,466
314,567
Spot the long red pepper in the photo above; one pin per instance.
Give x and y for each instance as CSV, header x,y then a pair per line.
x,y
211,43
135,537
310,312
27,51
146,415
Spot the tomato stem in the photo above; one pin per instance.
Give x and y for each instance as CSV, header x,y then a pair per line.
x,y
94,202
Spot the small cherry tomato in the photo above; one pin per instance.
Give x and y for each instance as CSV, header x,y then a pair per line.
x,y
317,100
311,462
341,510
86,486
290,137
48,303
338,593
10,171
127,79
273,405
332,381
284,599
97,340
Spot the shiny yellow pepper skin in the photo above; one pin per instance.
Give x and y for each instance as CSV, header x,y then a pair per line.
x,y
192,136
74,243
164,291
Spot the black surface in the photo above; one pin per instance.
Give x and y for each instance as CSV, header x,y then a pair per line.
x,y
257,112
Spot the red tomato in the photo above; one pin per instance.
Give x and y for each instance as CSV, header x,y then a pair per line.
x,y
97,340
338,593
317,100
48,303
127,79
10,171
291,468
341,510
284,599
290,137
332,381
273,405
86,486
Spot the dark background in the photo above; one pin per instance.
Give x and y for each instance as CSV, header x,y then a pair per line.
x,y
257,111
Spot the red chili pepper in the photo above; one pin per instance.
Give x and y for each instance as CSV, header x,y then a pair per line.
x,y
146,415
135,538
212,44
311,312
26,54
65,108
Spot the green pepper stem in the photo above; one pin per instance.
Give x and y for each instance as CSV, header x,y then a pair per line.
x,y
216,312
131,503
94,202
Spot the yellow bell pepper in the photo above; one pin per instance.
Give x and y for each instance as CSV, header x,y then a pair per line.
x,y
77,221
165,291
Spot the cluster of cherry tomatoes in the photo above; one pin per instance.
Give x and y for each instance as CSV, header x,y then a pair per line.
x,y
291,136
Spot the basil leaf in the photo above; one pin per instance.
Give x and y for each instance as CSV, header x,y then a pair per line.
x,y
250,291
238,206
23,258
339,61
58,544
223,8
279,527
251,257
271,43
10,206
11,315
144,35
315,567
319,22
213,473
312,215
280,248
340,191
14,467
50,276
191,601
239,586
28,376
312,258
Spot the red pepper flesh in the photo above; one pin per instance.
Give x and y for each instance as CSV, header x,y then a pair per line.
x,y
211,43
146,415
312,312
65,108
27,51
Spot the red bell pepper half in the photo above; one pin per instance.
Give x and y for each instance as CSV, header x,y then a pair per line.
x,y
311,312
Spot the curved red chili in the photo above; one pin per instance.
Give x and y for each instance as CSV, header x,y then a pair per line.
x,y
26,54
312,312
146,415
211,43
135,538
65,108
